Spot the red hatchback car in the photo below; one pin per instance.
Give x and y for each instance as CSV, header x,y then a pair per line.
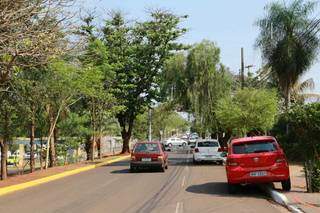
x,y
256,160
148,155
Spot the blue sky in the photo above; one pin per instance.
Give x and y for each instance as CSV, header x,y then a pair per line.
x,y
229,23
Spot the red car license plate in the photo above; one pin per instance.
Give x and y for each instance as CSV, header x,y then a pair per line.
x,y
146,159
258,174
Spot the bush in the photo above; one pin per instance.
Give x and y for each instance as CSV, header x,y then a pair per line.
x,y
302,141
315,177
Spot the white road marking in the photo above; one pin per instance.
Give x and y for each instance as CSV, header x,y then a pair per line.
x,y
183,181
109,181
179,207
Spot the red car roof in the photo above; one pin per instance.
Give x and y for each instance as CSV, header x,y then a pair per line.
x,y
255,138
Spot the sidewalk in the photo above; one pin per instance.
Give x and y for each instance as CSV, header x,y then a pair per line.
x,y
18,179
307,202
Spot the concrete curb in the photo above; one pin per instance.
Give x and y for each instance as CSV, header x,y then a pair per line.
x,y
21,186
281,199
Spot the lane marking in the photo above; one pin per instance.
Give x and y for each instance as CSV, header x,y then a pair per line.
x,y
179,207
183,181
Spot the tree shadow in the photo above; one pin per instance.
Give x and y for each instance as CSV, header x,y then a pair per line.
x,y
221,189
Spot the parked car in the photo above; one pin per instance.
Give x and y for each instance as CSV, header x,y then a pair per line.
x,y
256,160
175,142
148,155
207,150
193,138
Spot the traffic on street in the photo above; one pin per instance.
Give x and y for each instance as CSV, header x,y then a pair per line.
x,y
159,106
184,187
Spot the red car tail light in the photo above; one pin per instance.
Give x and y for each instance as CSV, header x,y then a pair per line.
x,y
196,150
231,162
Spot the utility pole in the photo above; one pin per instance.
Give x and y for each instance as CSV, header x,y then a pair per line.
x,y
242,69
150,126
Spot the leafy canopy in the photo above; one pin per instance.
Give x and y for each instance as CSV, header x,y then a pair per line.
x,y
247,110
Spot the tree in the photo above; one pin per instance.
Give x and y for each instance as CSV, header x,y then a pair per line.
x,y
175,82
165,121
299,94
30,89
137,54
304,121
248,110
208,81
31,34
66,84
100,104
289,42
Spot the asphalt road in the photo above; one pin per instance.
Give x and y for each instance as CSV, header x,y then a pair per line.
x,y
182,188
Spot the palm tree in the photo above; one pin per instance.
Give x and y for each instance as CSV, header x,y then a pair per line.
x,y
289,42
299,92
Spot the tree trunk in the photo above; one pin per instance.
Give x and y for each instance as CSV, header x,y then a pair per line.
x,y
126,140
5,147
32,131
93,123
124,121
52,150
99,147
41,153
287,106
4,153
87,147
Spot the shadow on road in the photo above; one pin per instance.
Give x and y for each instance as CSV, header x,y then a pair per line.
x,y
142,170
119,163
221,189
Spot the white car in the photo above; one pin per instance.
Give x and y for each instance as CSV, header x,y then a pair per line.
x,y
175,142
207,150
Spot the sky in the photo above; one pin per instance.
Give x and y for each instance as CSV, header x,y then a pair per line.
x,y
229,23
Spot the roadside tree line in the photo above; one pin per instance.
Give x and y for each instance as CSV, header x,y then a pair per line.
x,y
71,85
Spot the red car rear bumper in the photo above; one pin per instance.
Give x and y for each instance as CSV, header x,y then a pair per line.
x,y
240,175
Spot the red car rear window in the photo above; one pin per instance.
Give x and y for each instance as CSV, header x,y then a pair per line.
x,y
254,147
146,148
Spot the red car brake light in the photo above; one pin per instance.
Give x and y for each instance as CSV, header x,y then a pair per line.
x,y
196,150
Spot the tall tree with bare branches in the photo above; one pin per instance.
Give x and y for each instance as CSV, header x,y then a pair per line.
x,y
31,33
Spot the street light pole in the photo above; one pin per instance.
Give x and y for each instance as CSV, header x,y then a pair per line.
x,y
242,69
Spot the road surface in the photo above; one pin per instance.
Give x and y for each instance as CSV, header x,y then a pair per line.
x,y
182,188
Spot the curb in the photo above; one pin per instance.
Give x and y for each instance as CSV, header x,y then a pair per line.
x,y
281,199
21,186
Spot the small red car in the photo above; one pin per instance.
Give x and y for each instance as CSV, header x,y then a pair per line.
x,y
256,160
148,155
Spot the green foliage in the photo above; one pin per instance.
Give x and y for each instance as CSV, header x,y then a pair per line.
x,y
165,122
140,127
315,177
288,41
304,126
208,82
248,110
131,58
174,83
